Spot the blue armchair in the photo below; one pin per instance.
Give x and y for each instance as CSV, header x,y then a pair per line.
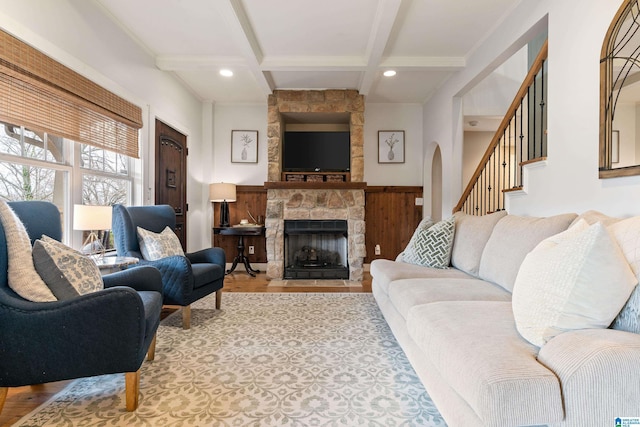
x,y
185,279
104,332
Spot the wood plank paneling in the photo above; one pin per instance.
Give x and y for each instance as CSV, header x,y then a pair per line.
x,y
391,217
254,199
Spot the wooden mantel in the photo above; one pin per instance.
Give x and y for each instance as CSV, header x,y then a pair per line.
x,y
292,185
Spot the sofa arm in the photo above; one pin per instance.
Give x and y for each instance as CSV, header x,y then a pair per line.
x,y
143,278
209,255
177,277
598,373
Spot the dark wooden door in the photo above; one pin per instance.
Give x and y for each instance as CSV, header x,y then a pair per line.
x,y
171,175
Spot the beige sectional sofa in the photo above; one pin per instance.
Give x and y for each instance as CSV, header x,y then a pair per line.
x,y
457,328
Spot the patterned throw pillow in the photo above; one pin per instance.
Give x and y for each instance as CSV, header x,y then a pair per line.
x,y
67,272
21,273
409,251
158,245
432,246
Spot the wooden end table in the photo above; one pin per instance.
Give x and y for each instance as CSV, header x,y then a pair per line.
x,y
241,231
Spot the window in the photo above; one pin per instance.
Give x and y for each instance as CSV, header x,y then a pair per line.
x,y
39,166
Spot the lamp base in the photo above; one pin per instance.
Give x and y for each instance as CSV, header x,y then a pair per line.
x,y
93,247
224,214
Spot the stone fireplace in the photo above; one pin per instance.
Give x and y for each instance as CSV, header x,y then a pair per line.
x,y
312,200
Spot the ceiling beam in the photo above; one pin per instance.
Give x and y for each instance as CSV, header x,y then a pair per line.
x,y
242,32
386,15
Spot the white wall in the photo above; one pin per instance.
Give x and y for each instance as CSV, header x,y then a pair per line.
x,y
475,145
569,182
76,34
239,117
407,117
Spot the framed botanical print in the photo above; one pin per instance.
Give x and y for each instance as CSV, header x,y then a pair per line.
x,y
244,146
390,146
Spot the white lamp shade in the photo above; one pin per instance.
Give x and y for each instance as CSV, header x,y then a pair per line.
x,y
91,218
219,192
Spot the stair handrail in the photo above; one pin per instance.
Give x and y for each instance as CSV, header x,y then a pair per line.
x,y
528,81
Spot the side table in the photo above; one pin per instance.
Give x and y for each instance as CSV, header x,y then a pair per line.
x,y
241,231
110,264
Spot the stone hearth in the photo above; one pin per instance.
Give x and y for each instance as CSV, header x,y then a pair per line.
x,y
327,201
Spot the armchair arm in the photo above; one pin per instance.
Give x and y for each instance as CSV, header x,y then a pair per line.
x,y
208,255
144,278
177,277
97,333
598,373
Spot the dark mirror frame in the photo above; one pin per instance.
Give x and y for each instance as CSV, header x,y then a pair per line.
x,y
614,41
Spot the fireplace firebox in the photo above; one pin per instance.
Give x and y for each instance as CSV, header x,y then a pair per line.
x,y
315,249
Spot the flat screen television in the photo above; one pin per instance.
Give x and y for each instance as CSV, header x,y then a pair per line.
x,y
319,151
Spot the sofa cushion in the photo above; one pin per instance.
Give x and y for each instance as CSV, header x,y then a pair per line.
x,y
432,246
67,272
512,239
385,271
591,217
21,273
627,234
475,347
155,246
578,279
472,234
407,293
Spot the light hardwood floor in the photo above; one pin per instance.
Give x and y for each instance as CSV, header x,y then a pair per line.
x,y
22,400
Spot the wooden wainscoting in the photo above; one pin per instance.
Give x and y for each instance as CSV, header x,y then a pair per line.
x,y
254,199
392,216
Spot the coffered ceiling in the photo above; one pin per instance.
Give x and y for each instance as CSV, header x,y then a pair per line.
x,y
309,44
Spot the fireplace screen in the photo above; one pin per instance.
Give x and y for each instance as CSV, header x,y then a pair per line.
x,y
315,249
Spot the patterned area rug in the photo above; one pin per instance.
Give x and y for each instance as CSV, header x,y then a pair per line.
x,y
280,359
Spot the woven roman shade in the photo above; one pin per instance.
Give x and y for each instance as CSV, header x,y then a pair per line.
x,y
42,94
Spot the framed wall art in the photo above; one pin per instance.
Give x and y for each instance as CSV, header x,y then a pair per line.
x,y
390,146
244,146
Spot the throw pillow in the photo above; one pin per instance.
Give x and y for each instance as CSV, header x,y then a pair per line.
x,y
159,245
410,250
67,272
432,246
578,279
21,273
627,234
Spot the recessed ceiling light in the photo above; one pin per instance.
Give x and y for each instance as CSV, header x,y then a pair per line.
x,y
226,73
389,73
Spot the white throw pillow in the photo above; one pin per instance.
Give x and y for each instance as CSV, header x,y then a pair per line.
x,y
67,272
578,279
159,245
21,273
627,234
432,246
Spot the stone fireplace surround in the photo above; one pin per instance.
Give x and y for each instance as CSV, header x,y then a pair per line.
x,y
286,200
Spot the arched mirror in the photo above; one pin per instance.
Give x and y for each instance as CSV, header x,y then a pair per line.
x,y
620,94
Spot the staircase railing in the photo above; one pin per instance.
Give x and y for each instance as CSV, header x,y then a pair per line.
x,y
520,139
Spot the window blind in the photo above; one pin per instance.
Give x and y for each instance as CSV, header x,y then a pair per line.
x,y
40,93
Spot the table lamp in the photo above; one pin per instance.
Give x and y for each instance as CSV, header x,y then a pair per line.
x,y
224,193
92,219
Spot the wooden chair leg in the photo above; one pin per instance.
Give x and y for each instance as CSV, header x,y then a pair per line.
x,y
3,396
151,353
218,299
132,389
186,317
